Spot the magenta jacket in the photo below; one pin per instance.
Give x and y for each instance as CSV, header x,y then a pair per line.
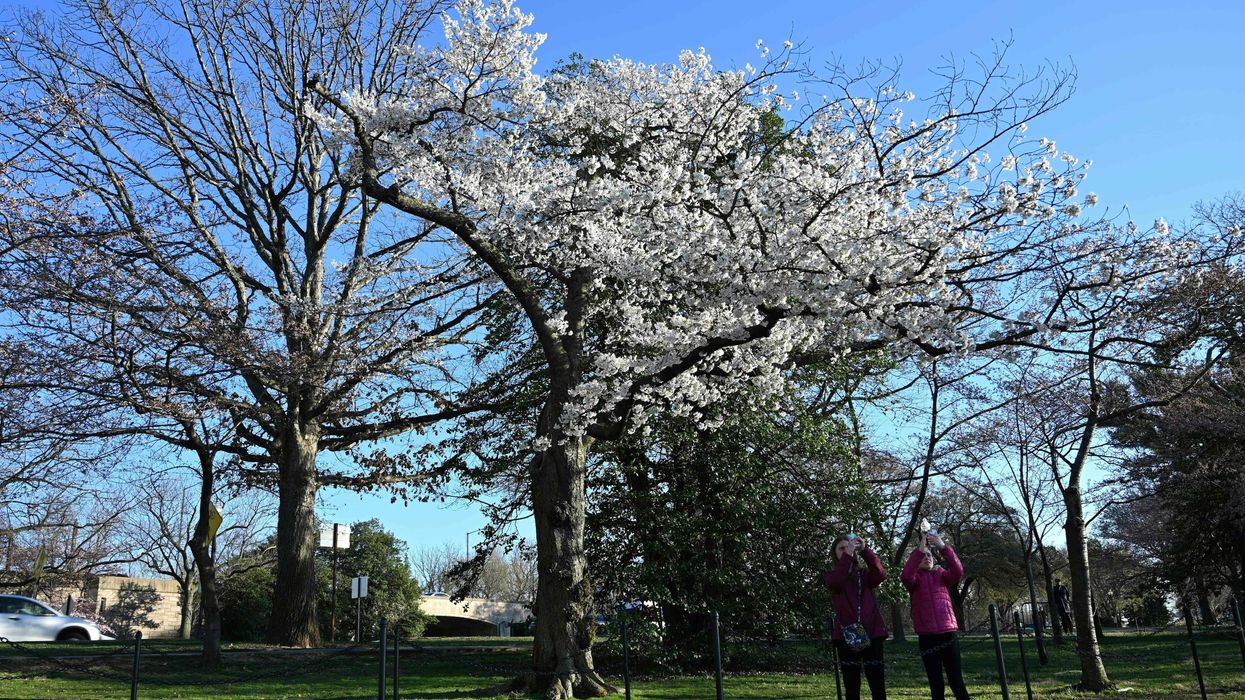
x,y
842,582
932,612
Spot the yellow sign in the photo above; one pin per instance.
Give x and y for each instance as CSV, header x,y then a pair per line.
x,y
40,562
214,521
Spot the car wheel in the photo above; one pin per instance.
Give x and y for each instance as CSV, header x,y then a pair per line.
x,y
73,636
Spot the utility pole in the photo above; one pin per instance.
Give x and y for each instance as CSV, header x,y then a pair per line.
x,y
339,539
333,592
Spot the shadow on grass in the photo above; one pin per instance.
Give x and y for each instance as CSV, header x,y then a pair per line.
x,y
500,690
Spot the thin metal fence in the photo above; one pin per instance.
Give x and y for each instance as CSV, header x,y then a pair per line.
x,y
626,667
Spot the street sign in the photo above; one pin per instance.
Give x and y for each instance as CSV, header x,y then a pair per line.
x,y
327,541
40,562
358,587
214,520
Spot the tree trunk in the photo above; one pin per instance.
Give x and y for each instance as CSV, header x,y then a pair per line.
x,y
1093,608
187,607
1055,623
958,593
1093,673
293,621
211,604
1205,611
205,564
562,649
897,622
1039,635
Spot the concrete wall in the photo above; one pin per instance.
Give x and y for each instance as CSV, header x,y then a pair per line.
x,y
105,591
168,612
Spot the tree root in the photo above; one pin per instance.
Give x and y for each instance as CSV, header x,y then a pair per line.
x,y
581,684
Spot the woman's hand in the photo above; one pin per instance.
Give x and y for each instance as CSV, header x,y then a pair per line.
x,y
935,540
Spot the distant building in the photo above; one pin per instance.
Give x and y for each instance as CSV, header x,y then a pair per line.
x,y
472,617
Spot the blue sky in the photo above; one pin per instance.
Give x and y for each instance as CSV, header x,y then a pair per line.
x,y
1158,98
1158,95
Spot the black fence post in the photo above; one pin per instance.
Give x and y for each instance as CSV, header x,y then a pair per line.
x,y
1197,663
384,658
626,656
717,653
138,646
397,652
1024,662
1240,629
998,651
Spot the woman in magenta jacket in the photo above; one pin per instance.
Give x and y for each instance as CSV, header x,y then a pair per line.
x,y
933,616
851,582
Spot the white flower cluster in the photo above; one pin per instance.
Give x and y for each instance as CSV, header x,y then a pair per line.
x,y
698,232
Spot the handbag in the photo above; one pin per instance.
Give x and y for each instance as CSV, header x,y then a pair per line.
x,y
855,636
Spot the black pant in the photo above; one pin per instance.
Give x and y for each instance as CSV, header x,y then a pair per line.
x,y
942,652
870,659
1066,619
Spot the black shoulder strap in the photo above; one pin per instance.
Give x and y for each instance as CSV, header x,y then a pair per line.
x,y
860,594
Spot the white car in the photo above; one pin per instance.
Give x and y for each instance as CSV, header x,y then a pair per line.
x,y
25,619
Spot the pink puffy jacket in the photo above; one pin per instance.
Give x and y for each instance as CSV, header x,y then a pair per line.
x,y
932,612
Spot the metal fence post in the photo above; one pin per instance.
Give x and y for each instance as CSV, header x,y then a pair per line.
x,y
717,653
1197,663
397,636
626,657
1024,663
138,645
1240,629
998,651
384,658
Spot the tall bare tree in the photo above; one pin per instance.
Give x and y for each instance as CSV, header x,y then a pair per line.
x,y
226,259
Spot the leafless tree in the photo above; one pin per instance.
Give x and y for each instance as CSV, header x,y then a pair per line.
x,y
225,259
1012,473
51,498
943,401
500,576
161,529
431,565
1080,394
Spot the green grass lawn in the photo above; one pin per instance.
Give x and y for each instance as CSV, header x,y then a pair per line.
x,y
1157,666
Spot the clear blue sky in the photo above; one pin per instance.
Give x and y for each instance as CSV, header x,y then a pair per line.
x,y
1161,85
1160,92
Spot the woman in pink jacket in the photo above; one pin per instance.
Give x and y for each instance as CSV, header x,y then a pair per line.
x,y
851,583
933,617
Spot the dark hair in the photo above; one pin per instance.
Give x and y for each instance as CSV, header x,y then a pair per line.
x,y
834,548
